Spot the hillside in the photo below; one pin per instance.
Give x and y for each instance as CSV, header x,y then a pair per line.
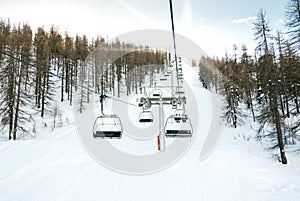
x,y
56,166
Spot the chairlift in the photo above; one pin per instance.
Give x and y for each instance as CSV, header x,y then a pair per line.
x,y
146,116
179,90
180,115
156,93
178,129
107,126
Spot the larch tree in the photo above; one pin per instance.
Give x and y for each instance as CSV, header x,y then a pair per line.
x,y
43,82
248,80
293,22
7,77
23,76
269,116
293,25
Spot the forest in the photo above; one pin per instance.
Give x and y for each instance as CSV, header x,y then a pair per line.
x,y
265,85
35,65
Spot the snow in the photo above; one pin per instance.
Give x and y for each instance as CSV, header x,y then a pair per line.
x,y
56,167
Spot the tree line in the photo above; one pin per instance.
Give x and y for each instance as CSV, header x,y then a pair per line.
x,y
266,83
34,65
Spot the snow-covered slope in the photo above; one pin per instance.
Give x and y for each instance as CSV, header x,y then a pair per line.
x,y
56,167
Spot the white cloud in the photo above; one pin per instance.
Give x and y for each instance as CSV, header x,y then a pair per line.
x,y
247,20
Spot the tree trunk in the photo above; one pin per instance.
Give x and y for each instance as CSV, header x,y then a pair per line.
x,y
43,95
281,105
11,100
287,107
17,104
71,85
278,128
62,83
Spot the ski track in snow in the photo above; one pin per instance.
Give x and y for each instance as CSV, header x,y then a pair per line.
x,y
55,167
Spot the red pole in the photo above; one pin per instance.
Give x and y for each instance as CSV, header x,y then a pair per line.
x,y
158,143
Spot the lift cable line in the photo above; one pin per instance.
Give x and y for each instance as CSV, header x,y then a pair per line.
x,y
27,63
114,99
174,41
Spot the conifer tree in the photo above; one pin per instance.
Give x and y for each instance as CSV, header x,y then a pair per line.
x,y
293,23
268,91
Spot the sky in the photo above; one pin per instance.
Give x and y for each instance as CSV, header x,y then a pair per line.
x,y
213,24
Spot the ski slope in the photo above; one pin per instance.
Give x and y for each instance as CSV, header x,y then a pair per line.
x,y
56,167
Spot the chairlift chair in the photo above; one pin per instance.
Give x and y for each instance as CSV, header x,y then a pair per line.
x,y
107,126
146,117
156,93
180,115
162,78
178,129
179,90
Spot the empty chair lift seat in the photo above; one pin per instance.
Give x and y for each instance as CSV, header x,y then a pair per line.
x,y
174,128
107,127
146,117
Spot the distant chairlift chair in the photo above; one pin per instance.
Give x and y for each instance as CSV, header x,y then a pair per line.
x,y
163,79
156,93
146,117
180,115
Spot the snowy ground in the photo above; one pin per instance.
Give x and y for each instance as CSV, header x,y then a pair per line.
x,y
56,167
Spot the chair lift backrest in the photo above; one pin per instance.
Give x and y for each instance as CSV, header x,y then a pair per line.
x,y
178,131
